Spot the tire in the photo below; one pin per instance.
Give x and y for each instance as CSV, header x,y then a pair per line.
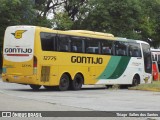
x,y
135,81
35,87
76,83
64,82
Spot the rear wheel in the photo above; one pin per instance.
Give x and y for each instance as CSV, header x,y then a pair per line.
x,y
76,83
64,82
35,87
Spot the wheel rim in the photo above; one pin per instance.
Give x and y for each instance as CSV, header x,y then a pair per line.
x,y
78,82
135,81
64,82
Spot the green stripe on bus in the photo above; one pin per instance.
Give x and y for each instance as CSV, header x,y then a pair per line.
x,y
110,68
121,67
115,67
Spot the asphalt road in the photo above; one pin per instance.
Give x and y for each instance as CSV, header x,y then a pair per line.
x,y
16,97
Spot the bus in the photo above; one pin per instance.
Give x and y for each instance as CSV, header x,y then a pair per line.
x,y
156,63
66,60
155,55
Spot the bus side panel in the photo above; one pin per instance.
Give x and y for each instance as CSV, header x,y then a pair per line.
x,y
54,76
60,63
121,71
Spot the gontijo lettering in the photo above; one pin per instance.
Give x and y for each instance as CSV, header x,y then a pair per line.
x,y
88,60
18,50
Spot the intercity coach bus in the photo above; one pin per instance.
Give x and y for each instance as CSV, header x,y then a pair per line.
x,y
39,56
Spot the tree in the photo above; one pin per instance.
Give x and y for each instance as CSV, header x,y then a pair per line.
x,y
62,21
64,12
117,17
133,19
19,12
150,26
13,12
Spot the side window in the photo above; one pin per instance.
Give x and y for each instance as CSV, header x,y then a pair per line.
x,y
121,48
107,47
48,41
76,44
153,57
92,46
158,58
63,43
134,50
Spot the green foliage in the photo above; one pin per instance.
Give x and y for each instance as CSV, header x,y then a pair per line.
x,y
111,16
150,26
14,12
134,19
19,12
62,21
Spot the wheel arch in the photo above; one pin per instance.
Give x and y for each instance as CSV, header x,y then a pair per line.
x,y
138,77
67,73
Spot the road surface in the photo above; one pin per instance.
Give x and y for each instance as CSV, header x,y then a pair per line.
x,y
16,97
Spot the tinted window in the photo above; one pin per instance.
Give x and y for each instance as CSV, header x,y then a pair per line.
x,y
48,41
92,46
147,58
63,43
134,50
107,47
158,58
76,44
153,57
120,48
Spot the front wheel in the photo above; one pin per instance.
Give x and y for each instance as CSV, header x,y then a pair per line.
x,y
35,87
135,81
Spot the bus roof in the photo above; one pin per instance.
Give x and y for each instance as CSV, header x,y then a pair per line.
x,y
131,40
82,33
92,33
155,50
85,33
